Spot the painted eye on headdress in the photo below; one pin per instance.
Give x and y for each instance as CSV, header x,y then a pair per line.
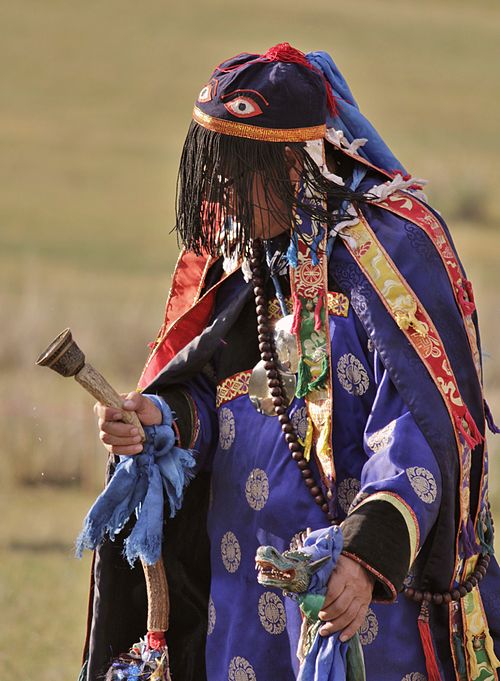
x,y
243,107
206,93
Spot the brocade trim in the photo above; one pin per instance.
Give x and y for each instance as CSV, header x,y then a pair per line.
x,y
338,305
232,387
254,132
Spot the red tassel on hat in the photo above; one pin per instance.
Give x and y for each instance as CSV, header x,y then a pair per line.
x,y
424,629
286,53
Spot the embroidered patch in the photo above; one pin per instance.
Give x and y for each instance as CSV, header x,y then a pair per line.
x,y
272,613
346,492
381,438
299,422
352,375
257,489
212,616
241,670
414,676
423,483
227,428
369,629
230,552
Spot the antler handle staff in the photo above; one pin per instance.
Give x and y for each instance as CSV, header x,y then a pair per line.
x,y
65,357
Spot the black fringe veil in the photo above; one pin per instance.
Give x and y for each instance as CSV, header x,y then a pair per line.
x,y
222,175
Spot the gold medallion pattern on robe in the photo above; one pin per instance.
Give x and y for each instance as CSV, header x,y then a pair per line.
x,y
240,669
382,438
227,428
423,483
346,491
272,613
212,616
352,375
230,552
369,629
257,489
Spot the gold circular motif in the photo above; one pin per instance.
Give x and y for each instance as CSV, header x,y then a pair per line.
x,y
352,375
299,422
369,629
212,616
414,676
423,483
230,552
272,613
241,670
257,489
346,492
227,429
381,438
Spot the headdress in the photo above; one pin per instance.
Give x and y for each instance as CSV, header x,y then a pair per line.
x,y
252,120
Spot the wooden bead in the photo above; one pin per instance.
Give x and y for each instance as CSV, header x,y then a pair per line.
x,y
418,596
330,517
272,373
309,481
473,580
298,456
462,590
287,428
273,382
447,597
427,596
260,310
319,500
277,401
265,347
267,357
468,586
261,319
276,391
324,508
302,463
409,593
306,472
290,437
455,595
263,328
437,598
259,293
268,365
315,490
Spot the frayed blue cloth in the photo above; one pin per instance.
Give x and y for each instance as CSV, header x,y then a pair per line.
x,y
350,120
326,659
141,484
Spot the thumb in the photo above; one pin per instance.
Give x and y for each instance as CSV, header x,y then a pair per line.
x,y
146,410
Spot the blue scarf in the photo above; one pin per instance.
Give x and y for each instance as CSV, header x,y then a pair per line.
x,y
141,484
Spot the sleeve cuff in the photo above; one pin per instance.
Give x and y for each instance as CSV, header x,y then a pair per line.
x,y
382,535
186,424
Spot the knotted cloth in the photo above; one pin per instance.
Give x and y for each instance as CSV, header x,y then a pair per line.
x,y
141,484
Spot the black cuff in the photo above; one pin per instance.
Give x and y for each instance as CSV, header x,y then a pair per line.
x,y
181,405
376,535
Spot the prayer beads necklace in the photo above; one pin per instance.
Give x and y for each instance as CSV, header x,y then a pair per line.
x,y
268,355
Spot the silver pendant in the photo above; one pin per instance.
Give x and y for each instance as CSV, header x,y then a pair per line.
x,y
287,366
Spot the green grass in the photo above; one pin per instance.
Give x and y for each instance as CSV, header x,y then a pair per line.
x,y
94,105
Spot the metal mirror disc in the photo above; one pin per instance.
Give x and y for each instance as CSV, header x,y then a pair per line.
x,y
286,344
258,390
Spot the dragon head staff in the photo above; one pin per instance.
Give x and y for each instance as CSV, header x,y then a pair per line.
x,y
291,570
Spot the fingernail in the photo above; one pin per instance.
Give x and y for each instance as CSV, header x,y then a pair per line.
x,y
128,404
117,417
134,431
343,638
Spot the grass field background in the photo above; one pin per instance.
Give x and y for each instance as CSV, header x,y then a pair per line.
x,y
94,104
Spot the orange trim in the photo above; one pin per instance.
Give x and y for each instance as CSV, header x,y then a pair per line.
x,y
258,133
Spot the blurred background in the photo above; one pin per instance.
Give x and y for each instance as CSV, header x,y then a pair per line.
x,y
95,100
